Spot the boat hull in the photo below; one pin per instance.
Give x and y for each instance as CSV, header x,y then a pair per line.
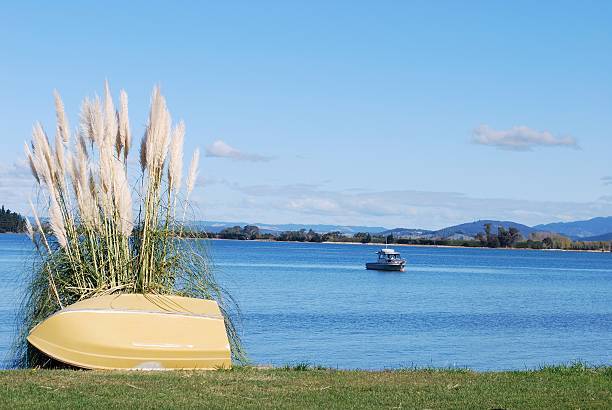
x,y
136,332
385,266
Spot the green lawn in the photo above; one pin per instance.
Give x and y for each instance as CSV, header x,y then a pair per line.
x,y
558,387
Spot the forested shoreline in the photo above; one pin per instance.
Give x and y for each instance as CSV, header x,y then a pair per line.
x,y
503,238
11,222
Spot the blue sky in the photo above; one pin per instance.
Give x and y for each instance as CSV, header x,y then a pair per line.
x,y
392,113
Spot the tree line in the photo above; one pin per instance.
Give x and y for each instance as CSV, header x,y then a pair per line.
x,y
11,221
502,238
252,232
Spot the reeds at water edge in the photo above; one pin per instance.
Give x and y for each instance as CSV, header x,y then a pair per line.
x,y
113,232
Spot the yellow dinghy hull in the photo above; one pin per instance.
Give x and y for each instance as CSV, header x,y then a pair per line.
x,y
135,331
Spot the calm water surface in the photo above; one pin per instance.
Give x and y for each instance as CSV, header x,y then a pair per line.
x,y
477,308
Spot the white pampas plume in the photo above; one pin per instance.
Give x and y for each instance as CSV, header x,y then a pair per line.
x,y
39,225
69,160
81,180
175,165
72,170
52,191
62,123
40,142
80,165
86,129
87,205
43,159
152,131
123,198
110,117
155,143
125,207
28,154
29,229
60,160
164,143
91,120
143,153
124,134
56,221
82,144
193,171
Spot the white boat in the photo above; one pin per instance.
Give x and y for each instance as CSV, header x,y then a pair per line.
x,y
388,259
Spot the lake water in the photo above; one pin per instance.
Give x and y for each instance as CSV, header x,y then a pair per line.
x,y
477,308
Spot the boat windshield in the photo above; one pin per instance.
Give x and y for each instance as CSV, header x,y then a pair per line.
x,y
389,256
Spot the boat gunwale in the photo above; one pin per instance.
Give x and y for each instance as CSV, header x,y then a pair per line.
x,y
130,311
136,311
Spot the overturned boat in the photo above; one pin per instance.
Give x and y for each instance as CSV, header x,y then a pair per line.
x,y
136,331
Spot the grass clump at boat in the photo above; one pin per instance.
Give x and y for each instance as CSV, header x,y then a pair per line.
x,y
307,387
109,230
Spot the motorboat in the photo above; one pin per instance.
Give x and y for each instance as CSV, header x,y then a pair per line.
x,y
388,259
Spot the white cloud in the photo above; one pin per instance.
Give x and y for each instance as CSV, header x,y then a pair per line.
x,y
605,198
16,184
204,181
306,203
315,205
220,149
607,180
519,138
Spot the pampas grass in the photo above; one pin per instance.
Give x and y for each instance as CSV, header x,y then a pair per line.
x,y
97,246
29,230
175,165
63,130
193,171
124,136
56,221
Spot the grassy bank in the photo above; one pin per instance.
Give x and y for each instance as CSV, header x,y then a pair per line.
x,y
556,387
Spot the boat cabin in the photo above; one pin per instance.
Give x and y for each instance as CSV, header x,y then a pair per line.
x,y
388,254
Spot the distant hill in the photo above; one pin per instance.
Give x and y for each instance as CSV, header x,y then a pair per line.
x,y
406,233
595,229
604,237
218,226
580,229
462,231
473,228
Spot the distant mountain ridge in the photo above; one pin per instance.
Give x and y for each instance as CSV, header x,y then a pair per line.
x,y
407,233
473,228
598,238
580,229
595,229
461,231
218,226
